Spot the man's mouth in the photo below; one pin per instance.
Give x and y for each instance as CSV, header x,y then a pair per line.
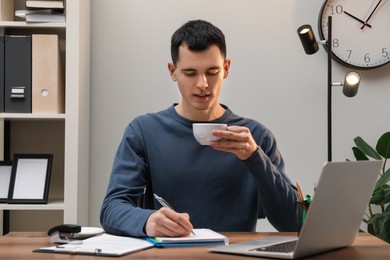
x,y
202,95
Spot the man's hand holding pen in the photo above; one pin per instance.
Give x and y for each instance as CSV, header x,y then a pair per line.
x,y
167,222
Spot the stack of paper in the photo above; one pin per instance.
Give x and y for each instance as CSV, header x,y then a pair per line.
x,y
53,4
104,244
43,11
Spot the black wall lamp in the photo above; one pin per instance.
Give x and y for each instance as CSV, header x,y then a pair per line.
x,y
351,80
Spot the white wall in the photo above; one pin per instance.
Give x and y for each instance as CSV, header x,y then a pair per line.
x,y
271,79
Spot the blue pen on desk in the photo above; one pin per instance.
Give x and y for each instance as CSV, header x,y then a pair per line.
x,y
164,203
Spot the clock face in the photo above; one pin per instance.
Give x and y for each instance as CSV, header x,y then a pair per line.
x,y
360,31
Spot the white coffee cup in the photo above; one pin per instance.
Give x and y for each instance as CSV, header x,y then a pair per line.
x,y
203,132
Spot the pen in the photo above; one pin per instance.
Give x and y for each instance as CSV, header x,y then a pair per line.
x,y
164,203
300,193
301,198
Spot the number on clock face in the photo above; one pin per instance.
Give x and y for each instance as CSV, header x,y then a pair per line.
x,y
360,31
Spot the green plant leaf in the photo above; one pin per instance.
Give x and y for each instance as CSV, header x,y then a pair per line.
x,y
359,155
378,226
385,178
373,225
387,194
383,145
383,221
377,197
385,236
366,148
387,209
371,229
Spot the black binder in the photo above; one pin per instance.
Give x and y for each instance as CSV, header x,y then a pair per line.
x,y
2,93
17,73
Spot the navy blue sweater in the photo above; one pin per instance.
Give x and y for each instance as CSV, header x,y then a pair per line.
x,y
159,154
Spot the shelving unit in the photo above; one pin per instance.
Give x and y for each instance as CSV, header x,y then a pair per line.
x,y
65,135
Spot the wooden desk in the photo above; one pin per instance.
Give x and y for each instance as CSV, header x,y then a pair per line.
x,y
20,245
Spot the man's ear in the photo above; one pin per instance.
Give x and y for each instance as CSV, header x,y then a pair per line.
x,y
226,68
172,69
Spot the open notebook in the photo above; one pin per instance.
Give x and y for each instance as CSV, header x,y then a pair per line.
x,y
333,219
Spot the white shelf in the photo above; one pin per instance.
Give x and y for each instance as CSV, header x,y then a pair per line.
x,y
24,116
53,204
21,24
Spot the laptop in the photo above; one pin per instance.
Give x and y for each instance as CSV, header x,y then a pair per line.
x,y
333,219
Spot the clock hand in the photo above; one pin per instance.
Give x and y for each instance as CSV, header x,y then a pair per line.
x,y
354,17
369,17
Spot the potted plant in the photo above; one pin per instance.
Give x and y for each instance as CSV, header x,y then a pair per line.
x,y
378,215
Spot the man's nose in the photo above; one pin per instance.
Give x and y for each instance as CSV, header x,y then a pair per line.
x,y
202,81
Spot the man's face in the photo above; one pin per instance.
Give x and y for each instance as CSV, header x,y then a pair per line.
x,y
199,76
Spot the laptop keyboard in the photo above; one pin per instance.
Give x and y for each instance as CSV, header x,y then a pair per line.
x,y
280,248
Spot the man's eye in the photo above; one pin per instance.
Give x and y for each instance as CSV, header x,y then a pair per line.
x,y
212,72
189,74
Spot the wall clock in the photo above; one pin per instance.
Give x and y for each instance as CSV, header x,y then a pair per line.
x,y
360,32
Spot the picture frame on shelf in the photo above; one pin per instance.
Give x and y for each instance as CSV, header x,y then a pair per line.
x,y
5,177
30,179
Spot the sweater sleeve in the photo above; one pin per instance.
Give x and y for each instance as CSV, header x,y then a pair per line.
x,y
119,213
277,196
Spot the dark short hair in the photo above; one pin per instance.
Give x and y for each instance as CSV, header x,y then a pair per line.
x,y
198,35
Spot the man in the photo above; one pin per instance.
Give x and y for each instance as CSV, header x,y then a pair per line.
x,y
225,186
